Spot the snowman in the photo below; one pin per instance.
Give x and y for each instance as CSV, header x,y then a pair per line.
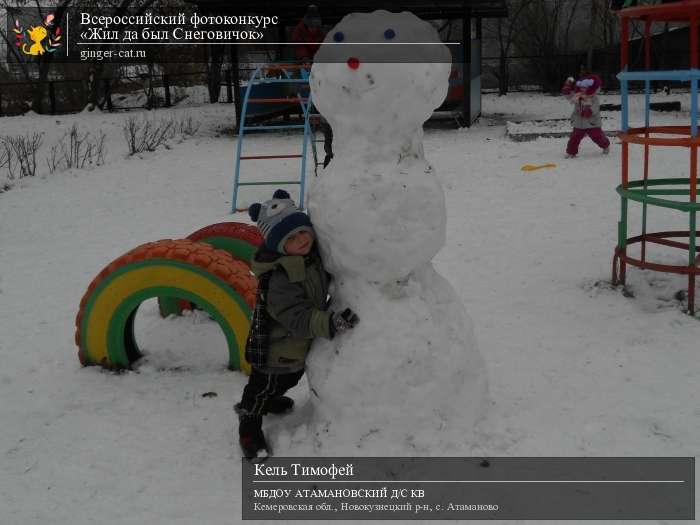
x,y
408,379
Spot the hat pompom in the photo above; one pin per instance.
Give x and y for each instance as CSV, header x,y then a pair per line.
x,y
280,194
254,211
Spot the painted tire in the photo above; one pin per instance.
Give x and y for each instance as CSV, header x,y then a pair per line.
x,y
219,284
238,239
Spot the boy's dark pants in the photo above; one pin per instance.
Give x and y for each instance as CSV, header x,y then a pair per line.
x,y
262,387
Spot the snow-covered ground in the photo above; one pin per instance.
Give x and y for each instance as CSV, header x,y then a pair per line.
x,y
575,367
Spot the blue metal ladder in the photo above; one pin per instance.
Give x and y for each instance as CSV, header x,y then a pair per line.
x,y
257,79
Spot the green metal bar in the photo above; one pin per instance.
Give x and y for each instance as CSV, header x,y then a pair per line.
x,y
644,228
657,182
663,203
622,225
667,192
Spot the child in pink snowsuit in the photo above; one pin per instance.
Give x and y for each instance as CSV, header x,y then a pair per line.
x,y
586,115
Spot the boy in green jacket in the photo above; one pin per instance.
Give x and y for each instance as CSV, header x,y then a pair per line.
x,y
291,309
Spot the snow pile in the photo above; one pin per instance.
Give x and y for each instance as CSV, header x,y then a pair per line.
x,y
530,130
379,212
575,369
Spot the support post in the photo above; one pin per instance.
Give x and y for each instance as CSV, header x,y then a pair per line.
x,y
108,93
624,43
52,98
478,66
229,90
166,88
466,65
622,240
281,37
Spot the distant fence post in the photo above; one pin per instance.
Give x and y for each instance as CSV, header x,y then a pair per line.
x,y
229,88
166,88
52,98
235,70
108,94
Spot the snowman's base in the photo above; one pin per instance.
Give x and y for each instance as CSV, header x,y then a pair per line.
x,y
409,379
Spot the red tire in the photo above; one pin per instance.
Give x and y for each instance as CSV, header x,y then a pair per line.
x,y
238,239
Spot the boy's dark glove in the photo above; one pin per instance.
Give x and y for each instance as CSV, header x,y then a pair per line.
x,y
343,321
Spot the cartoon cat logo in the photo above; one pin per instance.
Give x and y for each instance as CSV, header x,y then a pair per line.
x,y
37,35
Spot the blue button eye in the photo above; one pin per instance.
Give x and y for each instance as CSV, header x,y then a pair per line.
x,y
339,36
389,34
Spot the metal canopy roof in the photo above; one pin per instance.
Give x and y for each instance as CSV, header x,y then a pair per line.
x,y
332,11
669,12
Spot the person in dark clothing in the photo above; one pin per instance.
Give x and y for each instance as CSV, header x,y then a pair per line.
x,y
308,34
291,310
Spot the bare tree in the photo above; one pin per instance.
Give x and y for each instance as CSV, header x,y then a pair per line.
x,y
37,72
44,61
603,33
547,38
504,31
120,7
592,38
608,33
20,154
9,39
215,59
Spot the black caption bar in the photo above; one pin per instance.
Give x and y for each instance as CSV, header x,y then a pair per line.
x,y
469,488
94,33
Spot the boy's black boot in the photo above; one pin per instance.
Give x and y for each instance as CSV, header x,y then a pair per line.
x,y
251,437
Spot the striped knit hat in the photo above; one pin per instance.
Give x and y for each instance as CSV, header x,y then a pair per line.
x,y
278,219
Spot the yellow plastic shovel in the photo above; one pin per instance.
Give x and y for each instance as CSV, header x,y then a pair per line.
x,y
534,167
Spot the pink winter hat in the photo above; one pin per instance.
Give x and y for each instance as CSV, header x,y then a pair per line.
x,y
590,84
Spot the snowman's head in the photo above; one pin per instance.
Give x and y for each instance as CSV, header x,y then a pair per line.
x,y
362,77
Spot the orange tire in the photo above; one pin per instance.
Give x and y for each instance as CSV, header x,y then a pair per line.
x,y
211,278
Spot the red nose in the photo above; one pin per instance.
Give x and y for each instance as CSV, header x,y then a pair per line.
x,y
353,62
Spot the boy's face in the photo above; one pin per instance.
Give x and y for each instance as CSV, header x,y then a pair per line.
x,y
300,243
